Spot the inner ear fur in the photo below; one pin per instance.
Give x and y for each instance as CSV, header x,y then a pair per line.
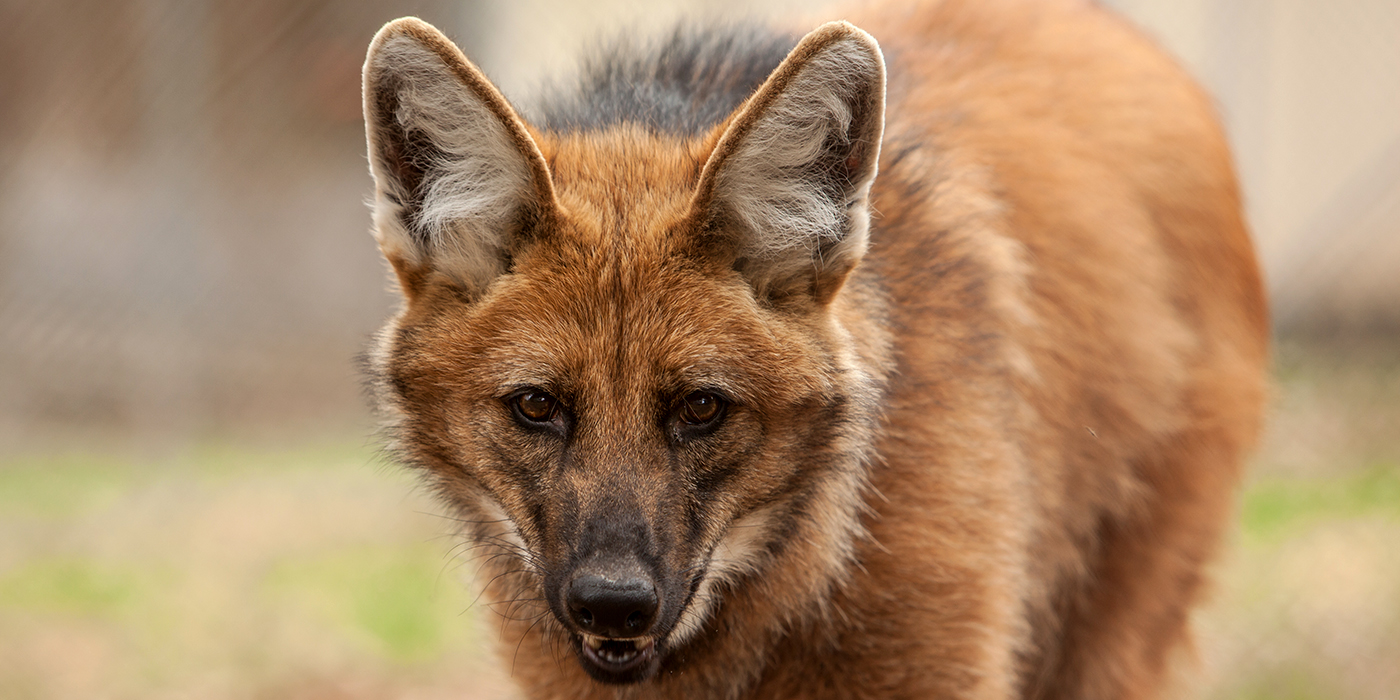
x,y
458,179
787,185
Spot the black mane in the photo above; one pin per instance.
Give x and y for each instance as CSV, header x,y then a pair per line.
x,y
683,84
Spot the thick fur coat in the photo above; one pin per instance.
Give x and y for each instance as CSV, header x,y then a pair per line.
x,y
727,415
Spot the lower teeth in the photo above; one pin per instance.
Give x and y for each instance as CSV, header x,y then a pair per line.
x,y
615,651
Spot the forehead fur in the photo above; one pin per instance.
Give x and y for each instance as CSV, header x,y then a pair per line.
x,y
624,186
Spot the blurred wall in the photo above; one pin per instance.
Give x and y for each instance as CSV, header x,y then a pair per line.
x,y
1310,94
183,239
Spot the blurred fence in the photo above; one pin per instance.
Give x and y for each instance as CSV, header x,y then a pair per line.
x,y
183,243
183,239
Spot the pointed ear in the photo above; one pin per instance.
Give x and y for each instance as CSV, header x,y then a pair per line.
x,y
458,180
788,182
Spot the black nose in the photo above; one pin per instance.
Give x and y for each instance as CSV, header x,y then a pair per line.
x,y
609,607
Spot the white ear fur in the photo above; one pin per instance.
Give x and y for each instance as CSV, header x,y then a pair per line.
x,y
796,177
450,173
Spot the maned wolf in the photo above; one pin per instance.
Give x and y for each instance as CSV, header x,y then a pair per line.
x,y
726,416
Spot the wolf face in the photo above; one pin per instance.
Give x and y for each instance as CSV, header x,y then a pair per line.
x,y
618,358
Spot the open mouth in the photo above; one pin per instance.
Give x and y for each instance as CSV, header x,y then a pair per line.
x,y
619,660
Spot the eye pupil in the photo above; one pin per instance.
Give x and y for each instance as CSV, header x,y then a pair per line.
x,y
536,406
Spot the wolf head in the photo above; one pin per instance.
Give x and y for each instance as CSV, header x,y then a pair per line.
x,y
632,361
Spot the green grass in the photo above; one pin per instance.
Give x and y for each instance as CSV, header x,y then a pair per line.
x,y
271,573
58,486
399,598
1278,507
1289,685
70,586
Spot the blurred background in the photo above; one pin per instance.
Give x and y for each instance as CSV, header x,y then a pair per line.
x,y
190,502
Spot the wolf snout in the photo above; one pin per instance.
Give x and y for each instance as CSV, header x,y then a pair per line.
x,y
617,605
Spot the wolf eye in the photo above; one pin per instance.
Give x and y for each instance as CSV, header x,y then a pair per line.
x,y
701,408
535,406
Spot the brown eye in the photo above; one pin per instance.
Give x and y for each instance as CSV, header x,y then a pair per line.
x,y
535,406
700,408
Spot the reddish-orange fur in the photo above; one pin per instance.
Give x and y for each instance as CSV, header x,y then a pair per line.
x,y
1060,315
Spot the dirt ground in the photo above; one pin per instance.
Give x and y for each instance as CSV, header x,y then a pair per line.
x,y
320,573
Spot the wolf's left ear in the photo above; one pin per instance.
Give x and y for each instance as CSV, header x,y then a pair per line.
x,y
787,185
458,179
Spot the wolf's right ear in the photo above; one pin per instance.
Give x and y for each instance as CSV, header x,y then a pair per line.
x,y
458,179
